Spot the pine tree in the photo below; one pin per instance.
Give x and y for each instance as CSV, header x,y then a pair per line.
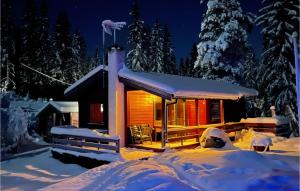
x,y
8,47
78,57
184,67
169,60
29,48
43,54
276,75
250,69
137,55
62,47
156,49
193,57
223,38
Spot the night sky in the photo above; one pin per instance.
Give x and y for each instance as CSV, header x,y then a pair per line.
x,y
182,17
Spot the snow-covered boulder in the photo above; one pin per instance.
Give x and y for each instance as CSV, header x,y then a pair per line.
x,y
215,138
260,142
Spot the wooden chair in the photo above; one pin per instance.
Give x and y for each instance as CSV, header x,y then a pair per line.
x,y
146,132
136,134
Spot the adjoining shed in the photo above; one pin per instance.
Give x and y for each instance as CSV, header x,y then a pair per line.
x,y
56,113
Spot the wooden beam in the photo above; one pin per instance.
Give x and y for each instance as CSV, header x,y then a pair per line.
x,y
221,112
164,132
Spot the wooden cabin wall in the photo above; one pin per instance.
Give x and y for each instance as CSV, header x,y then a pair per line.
x,y
203,112
92,93
191,112
140,108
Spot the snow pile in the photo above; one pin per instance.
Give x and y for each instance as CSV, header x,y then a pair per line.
x,y
32,172
70,130
215,132
108,155
277,120
261,140
132,175
193,169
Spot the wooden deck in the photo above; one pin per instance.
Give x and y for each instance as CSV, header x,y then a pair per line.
x,y
180,137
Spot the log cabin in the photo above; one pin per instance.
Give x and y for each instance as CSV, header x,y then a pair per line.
x,y
175,109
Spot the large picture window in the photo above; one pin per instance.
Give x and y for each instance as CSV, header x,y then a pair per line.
x,y
96,113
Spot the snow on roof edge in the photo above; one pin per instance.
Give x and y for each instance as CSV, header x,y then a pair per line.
x,y
85,77
162,86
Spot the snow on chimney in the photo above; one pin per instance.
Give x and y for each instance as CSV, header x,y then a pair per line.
x,y
116,109
273,110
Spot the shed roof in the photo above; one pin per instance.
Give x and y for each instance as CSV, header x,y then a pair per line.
x,y
174,86
61,106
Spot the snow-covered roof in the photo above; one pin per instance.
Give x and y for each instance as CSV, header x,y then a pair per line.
x,y
86,77
61,106
174,86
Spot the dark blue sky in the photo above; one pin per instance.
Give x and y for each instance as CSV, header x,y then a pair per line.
x,y
182,17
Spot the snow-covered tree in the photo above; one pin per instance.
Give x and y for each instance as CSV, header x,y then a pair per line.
x,y
62,47
249,71
30,44
78,57
276,75
156,49
169,60
137,54
223,38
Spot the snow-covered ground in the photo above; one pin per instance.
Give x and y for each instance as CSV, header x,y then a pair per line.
x,y
199,169
32,172
234,167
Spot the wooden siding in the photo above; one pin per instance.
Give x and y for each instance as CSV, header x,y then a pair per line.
x,y
203,112
191,112
140,108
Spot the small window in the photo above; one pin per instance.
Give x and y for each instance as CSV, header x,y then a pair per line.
x,y
215,111
96,113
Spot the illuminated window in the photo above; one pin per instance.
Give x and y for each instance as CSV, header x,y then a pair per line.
x,y
180,112
96,113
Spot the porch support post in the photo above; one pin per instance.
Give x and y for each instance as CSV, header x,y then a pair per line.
x,y
164,132
222,111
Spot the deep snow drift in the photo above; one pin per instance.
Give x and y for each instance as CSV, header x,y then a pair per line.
x,y
198,169
35,171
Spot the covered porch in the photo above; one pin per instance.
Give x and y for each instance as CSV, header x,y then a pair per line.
x,y
163,110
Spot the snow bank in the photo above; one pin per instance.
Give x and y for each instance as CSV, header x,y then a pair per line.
x,y
193,169
105,156
277,120
133,175
70,130
34,172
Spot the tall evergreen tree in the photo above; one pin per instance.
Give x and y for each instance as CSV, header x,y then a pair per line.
x,y
223,38
7,81
156,49
62,47
169,63
43,54
78,57
137,55
276,75
30,47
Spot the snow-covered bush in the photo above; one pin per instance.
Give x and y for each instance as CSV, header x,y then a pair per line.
x,y
16,117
